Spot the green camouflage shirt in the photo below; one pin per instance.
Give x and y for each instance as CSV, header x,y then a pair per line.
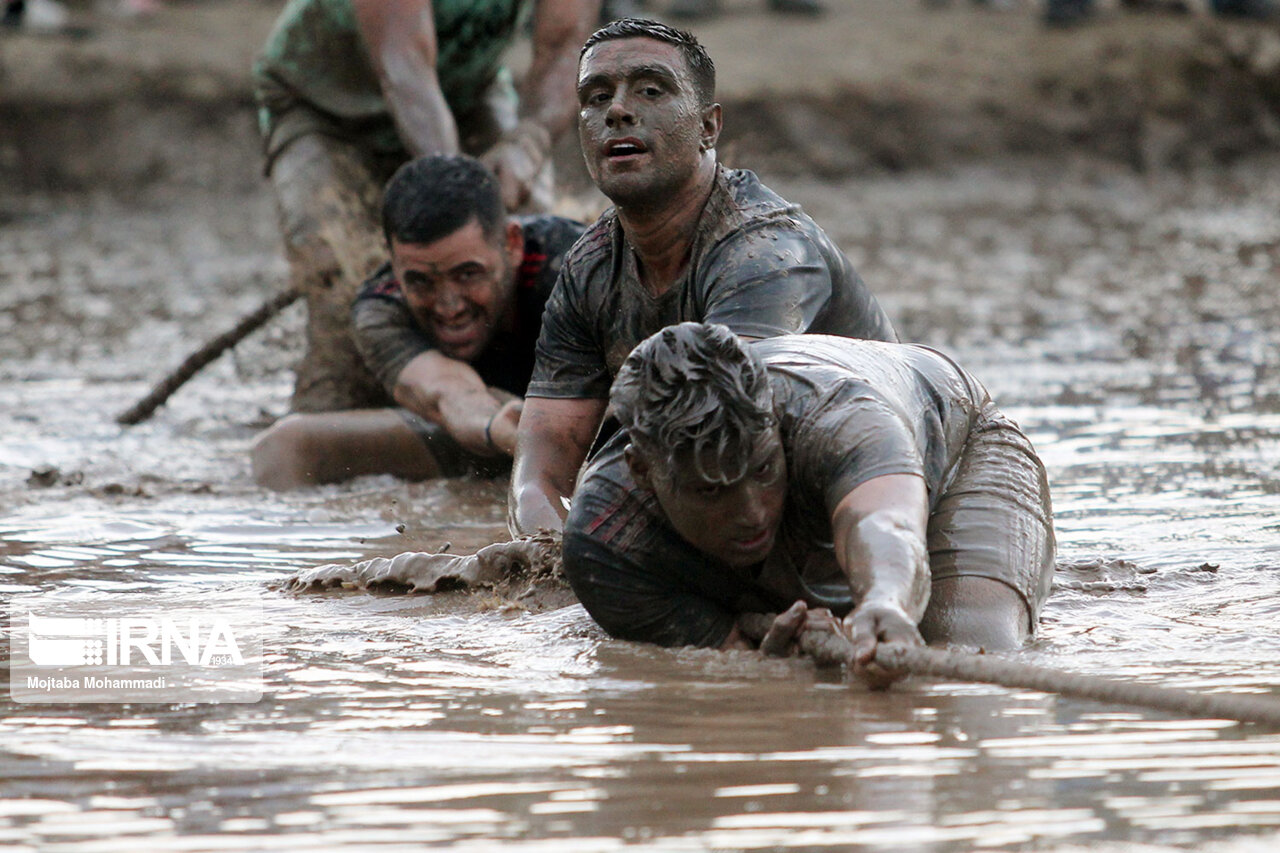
x,y
316,59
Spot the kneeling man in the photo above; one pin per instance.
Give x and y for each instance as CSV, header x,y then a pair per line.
x,y
869,480
448,327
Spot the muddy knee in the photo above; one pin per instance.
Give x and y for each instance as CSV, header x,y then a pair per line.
x,y
975,612
286,455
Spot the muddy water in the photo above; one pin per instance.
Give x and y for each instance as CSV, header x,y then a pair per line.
x,y
1129,323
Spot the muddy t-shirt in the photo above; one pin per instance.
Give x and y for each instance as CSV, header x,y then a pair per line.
x,y
758,265
388,337
847,411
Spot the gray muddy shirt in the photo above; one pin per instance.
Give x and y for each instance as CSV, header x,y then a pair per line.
x,y
847,411
758,265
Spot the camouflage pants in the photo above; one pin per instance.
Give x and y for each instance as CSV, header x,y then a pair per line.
x,y
329,195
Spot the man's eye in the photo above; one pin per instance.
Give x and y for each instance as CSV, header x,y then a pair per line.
x,y
651,91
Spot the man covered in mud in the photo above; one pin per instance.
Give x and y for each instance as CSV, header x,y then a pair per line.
x,y
869,487
348,90
448,328
686,240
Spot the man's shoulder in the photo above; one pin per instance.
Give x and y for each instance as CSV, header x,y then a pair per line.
x,y
751,195
547,240
597,239
594,247
742,208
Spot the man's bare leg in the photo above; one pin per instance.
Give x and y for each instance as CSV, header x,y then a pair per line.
x,y
308,449
976,612
328,204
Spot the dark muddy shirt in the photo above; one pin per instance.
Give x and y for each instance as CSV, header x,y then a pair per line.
x,y
758,265
389,337
848,411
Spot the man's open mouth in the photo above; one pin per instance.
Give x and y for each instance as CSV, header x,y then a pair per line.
x,y
754,541
618,148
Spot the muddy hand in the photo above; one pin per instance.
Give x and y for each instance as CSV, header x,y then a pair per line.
x,y
780,640
800,630
516,161
870,625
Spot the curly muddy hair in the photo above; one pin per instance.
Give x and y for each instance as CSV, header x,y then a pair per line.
x,y
694,390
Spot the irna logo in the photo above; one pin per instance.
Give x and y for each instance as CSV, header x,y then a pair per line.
x,y
131,641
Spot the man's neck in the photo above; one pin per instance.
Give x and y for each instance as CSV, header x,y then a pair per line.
x,y
662,236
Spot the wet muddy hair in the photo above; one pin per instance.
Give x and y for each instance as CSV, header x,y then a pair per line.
x,y
695,55
432,197
694,389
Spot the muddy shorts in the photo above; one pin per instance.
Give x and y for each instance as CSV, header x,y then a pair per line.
x,y
994,519
453,459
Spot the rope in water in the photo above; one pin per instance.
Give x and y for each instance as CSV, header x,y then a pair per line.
x,y
164,389
940,663
832,648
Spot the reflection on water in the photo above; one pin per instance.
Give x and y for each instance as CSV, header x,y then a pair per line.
x,y
403,722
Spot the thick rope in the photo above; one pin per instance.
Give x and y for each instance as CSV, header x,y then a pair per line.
x,y
164,389
940,663
830,648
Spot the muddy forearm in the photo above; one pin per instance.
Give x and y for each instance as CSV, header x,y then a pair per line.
x,y
553,440
421,115
400,38
450,392
540,483
888,564
879,537
549,96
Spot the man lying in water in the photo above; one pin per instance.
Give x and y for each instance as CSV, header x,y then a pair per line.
x,y
448,326
811,476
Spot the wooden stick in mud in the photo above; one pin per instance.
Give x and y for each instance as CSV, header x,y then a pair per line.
x,y
830,648
164,389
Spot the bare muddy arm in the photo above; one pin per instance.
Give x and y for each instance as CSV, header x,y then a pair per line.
x,y
449,392
553,440
879,532
548,102
400,36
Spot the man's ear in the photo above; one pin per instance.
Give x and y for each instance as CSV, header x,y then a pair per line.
x,y
712,123
640,471
515,244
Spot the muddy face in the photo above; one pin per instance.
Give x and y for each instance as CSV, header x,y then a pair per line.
x,y
642,129
460,288
734,522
